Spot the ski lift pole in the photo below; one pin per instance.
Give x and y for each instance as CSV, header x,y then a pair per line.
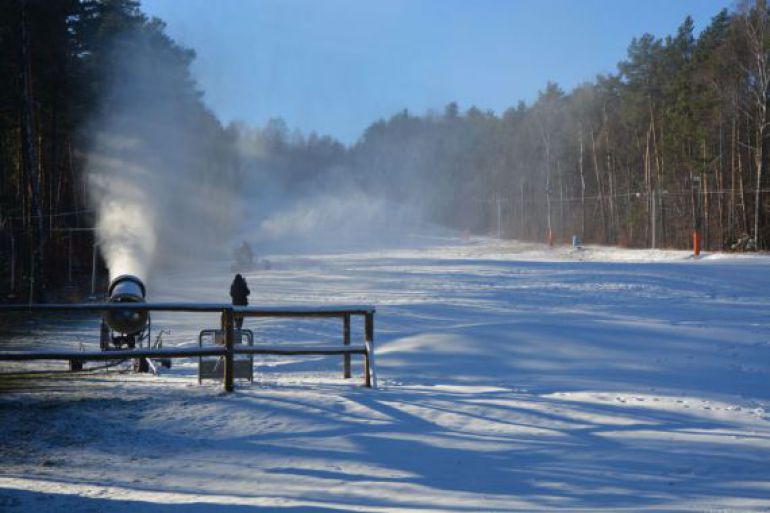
x,y
93,269
69,258
499,219
653,215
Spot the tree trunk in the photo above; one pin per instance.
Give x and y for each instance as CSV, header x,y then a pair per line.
x,y
548,188
719,179
599,186
742,190
756,31
562,223
29,163
733,210
759,163
582,187
612,234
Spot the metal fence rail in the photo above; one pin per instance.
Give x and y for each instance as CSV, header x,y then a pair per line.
x,y
228,313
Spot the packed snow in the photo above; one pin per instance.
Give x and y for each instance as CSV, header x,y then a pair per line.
x,y
513,377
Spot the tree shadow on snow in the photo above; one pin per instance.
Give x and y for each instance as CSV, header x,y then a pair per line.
x,y
23,500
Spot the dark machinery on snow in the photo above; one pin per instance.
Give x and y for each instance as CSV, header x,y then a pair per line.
x,y
128,329
125,328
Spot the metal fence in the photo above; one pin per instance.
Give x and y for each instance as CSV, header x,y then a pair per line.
x,y
227,351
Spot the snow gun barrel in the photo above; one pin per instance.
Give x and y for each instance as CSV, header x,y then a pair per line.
x,y
126,289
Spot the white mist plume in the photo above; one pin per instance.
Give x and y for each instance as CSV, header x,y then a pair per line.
x,y
345,219
296,204
127,238
160,170
125,213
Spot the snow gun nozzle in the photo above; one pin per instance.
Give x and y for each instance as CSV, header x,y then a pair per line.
x,y
126,288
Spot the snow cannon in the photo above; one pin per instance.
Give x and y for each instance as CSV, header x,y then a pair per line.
x,y
126,289
130,328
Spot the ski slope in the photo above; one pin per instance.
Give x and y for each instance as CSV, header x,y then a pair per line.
x,y
513,377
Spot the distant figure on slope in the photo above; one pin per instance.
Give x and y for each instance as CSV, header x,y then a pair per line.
x,y
244,256
239,292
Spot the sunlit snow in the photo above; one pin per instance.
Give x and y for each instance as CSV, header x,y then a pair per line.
x,y
513,377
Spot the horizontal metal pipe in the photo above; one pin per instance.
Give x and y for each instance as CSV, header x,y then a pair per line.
x,y
103,307
297,313
303,311
299,350
16,356
245,311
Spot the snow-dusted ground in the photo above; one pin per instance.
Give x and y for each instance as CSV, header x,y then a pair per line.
x,y
513,378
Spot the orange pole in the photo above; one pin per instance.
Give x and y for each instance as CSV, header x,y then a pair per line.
x,y
696,242
550,238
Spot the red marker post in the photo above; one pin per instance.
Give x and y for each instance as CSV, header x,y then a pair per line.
x,y
696,242
696,192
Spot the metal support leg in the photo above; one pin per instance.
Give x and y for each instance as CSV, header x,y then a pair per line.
x,y
371,376
227,326
346,341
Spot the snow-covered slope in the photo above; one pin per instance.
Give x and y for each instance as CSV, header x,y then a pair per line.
x,y
513,377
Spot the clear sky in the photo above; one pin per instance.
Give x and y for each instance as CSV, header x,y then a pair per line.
x,y
335,66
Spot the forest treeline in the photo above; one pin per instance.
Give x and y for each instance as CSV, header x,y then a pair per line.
x,y
84,81
675,140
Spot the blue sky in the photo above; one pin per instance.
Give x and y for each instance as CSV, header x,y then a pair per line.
x,y
335,66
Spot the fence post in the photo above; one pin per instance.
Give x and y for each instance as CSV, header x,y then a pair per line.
x,y
346,341
370,377
227,326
